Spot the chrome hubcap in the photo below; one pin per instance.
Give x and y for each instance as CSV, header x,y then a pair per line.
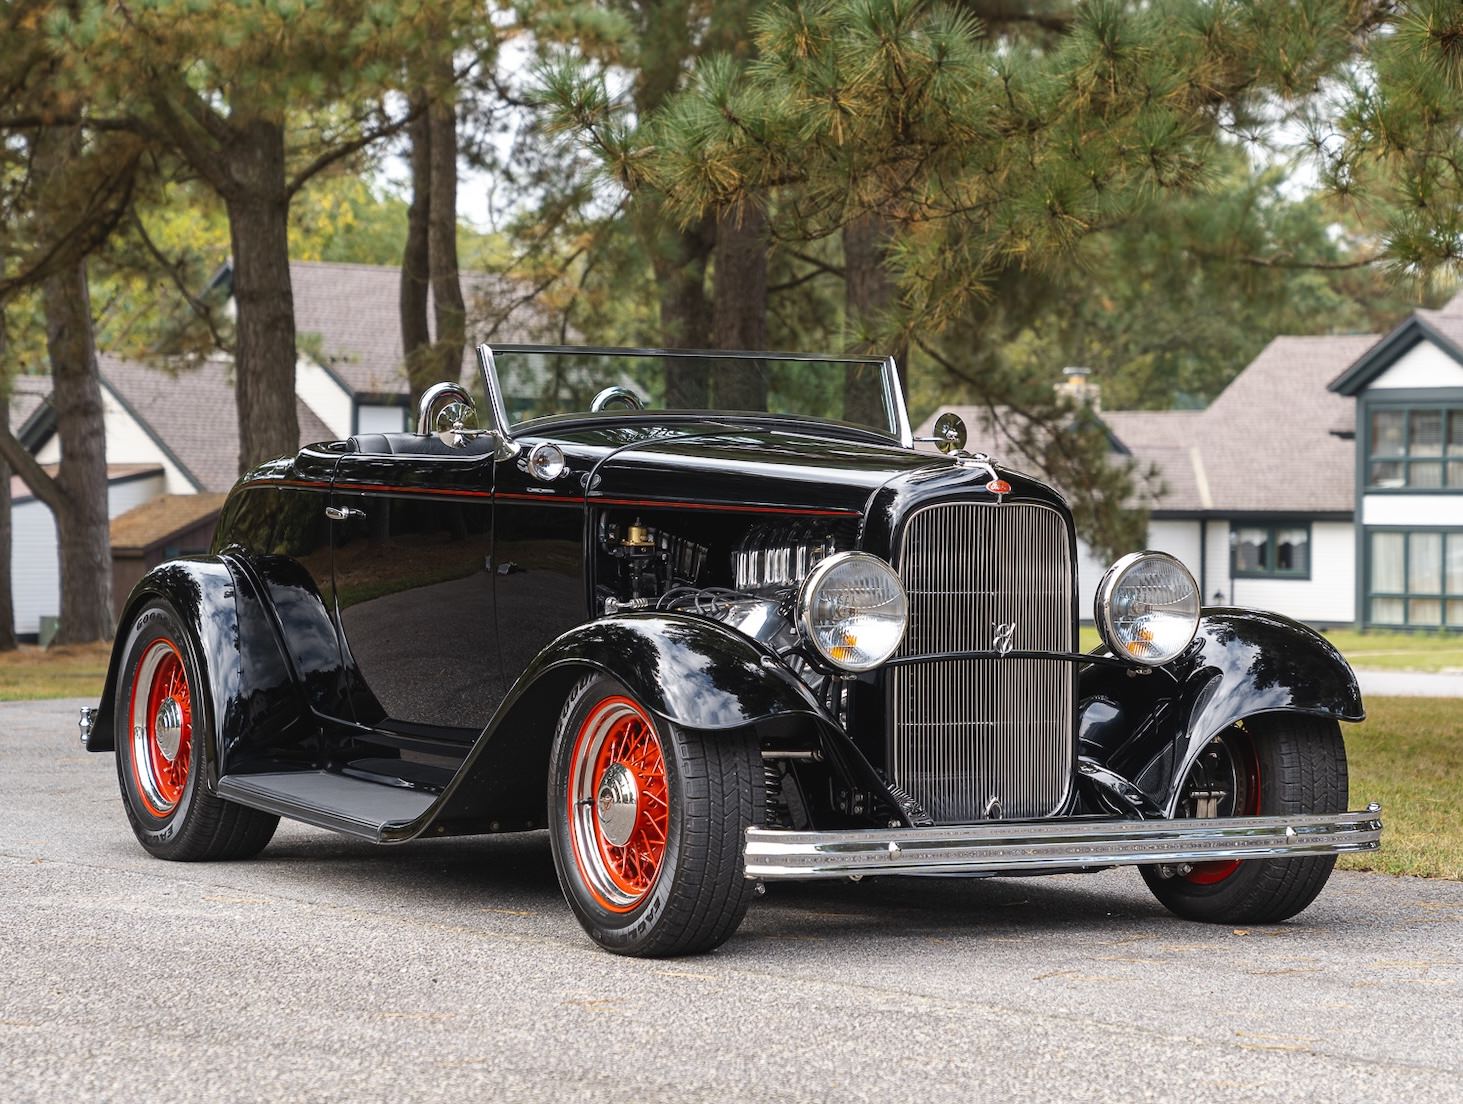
x,y
169,728
617,804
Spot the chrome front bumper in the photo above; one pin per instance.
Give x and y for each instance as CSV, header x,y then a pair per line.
x,y
1003,847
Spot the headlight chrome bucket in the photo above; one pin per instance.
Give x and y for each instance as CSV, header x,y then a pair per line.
x,y
1147,608
853,611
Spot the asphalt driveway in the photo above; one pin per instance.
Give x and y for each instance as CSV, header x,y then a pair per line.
x,y
452,970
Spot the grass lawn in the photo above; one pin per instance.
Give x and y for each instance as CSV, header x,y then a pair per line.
x,y
1400,651
64,671
1406,755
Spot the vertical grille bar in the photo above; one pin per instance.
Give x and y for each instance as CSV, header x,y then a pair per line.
x,y
967,732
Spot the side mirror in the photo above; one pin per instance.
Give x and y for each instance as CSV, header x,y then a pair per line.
x,y
448,413
948,433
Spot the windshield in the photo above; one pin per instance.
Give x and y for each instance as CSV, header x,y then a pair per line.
x,y
544,382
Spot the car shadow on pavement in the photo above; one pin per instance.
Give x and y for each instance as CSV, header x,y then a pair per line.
x,y
515,872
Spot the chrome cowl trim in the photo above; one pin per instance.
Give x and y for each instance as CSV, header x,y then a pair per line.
x,y
1049,846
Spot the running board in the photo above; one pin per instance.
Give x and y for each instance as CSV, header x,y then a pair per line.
x,y
1048,846
353,806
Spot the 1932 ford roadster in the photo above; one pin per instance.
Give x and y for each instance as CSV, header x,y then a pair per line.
x,y
711,621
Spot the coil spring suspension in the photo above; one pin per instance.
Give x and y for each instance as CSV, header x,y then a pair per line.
x,y
777,813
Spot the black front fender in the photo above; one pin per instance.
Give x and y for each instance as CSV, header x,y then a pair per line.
x,y
1150,726
691,671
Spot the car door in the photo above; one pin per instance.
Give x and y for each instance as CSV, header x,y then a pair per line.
x,y
540,559
413,570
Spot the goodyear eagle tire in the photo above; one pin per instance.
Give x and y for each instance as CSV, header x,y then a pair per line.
x,y
648,823
162,731
1275,765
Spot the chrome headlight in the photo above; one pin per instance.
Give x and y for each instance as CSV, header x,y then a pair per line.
x,y
852,608
1147,608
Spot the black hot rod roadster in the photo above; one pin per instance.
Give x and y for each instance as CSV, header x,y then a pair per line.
x,y
711,621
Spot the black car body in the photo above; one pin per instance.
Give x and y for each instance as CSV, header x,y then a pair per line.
x,y
599,622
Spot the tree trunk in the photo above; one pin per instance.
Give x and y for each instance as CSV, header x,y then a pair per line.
x,y
679,260
739,305
264,367
82,526
448,310
416,336
7,603
870,297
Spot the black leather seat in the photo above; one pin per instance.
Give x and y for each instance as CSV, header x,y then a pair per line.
x,y
412,444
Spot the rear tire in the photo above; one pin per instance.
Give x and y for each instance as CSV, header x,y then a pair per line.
x,y
1287,764
163,729
648,823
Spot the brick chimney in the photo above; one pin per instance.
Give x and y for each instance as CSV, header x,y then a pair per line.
x,y
1077,384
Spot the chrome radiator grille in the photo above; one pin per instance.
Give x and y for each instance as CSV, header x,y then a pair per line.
x,y
967,733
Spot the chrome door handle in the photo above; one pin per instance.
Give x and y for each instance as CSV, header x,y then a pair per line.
x,y
343,513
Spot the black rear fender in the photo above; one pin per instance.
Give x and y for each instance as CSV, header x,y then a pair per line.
x,y
1150,726
250,691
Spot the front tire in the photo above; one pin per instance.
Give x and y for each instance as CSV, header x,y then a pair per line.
x,y
648,823
162,731
1276,765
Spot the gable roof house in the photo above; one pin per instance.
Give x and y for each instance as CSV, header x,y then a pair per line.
x,y
174,434
1408,476
1325,482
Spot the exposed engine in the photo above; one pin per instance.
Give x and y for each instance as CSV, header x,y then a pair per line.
x,y
744,577
647,564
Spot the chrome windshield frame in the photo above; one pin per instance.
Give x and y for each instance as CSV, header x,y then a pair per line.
x,y
889,375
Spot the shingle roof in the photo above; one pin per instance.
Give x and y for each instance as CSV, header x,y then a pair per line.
x,y
145,526
347,315
192,413
27,393
1268,440
1268,444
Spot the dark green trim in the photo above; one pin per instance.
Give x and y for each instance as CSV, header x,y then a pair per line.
x,y
36,430
1252,515
151,472
1388,351
1270,571
1406,595
1441,401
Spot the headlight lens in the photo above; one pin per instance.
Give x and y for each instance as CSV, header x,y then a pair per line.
x,y
853,609
1147,607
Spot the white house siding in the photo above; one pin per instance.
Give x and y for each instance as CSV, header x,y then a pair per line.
x,y
35,573
1178,538
380,419
1413,511
1422,366
328,399
127,443
1327,597
1089,573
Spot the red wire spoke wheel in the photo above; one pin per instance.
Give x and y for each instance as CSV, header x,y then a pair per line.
x,y
161,730
160,713
1276,764
619,803
1232,764
648,821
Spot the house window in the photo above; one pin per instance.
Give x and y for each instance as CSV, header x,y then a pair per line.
x,y
1280,550
1415,448
1416,578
